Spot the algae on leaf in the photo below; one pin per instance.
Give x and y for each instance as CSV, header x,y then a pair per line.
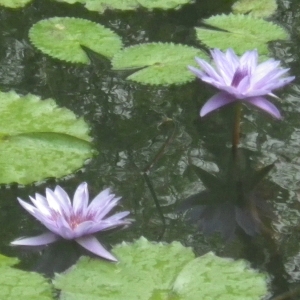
x,y
61,38
256,8
240,32
161,63
39,139
160,271
17,284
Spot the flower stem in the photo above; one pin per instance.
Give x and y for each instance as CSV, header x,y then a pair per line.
x,y
237,125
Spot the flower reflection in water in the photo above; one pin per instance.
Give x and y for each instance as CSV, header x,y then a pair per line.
x,y
230,203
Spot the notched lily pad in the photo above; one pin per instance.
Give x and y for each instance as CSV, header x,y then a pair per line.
x,y
14,3
61,38
158,63
17,284
256,8
39,140
156,271
241,33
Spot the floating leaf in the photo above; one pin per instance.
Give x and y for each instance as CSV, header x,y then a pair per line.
x,y
163,4
61,38
102,5
14,3
39,139
256,8
213,277
17,284
161,63
160,271
244,32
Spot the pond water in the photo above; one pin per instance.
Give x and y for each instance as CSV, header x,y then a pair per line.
x,y
149,136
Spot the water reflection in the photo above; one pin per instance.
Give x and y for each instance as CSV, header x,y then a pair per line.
x,y
231,203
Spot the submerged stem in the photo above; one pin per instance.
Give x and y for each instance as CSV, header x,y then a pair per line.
x,y
237,125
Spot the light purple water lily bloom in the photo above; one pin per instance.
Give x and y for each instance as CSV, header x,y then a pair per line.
x,y
74,221
241,79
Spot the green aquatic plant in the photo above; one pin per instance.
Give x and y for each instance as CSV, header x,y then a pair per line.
x,y
39,139
157,63
102,5
159,271
14,3
256,8
17,284
240,32
163,4
61,38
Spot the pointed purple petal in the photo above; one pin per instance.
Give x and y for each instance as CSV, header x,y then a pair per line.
x,y
196,71
52,200
208,69
226,67
101,199
41,199
104,210
279,83
216,102
62,195
93,245
265,105
249,59
117,217
81,198
42,206
63,199
84,228
43,239
34,211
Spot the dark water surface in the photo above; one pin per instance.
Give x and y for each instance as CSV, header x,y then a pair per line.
x,y
131,124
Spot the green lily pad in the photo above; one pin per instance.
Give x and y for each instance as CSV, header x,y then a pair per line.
x,y
61,38
17,284
163,4
102,5
14,3
219,278
256,8
243,32
161,63
39,140
159,271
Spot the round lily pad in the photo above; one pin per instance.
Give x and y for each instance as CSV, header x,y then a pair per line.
x,y
256,8
158,63
241,33
39,140
17,284
156,271
14,3
61,38
102,5
163,4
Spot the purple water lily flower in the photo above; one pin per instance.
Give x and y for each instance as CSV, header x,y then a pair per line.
x,y
241,79
77,221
